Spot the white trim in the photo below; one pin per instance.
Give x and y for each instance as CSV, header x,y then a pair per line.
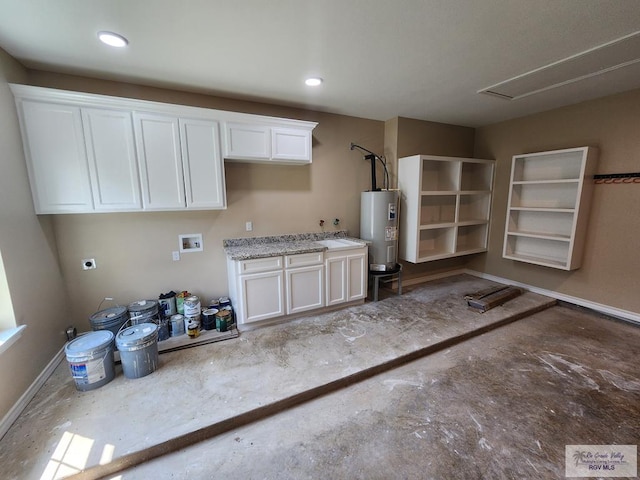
x,y
435,276
13,414
598,307
81,99
9,336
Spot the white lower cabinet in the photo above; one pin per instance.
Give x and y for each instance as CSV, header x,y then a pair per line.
x,y
304,282
267,288
256,288
346,275
262,296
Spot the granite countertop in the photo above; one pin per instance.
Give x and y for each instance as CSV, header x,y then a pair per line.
x,y
261,247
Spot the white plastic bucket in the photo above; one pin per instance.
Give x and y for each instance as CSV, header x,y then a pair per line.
x,y
90,358
138,346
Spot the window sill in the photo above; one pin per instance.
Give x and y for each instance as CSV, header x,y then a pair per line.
x,y
10,336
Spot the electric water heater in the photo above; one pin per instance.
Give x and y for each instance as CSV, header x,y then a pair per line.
x,y
379,226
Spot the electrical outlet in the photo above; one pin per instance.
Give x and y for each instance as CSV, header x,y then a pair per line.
x,y
249,226
89,264
175,255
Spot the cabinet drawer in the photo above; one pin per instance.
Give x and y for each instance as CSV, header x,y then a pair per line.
x,y
303,259
260,265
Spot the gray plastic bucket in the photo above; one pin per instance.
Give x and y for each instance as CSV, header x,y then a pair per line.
x,y
90,358
138,346
143,311
148,311
109,319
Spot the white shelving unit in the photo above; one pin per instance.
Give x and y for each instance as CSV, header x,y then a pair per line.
x,y
548,210
445,206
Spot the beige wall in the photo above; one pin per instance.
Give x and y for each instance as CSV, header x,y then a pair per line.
x,y
405,137
133,250
30,259
609,273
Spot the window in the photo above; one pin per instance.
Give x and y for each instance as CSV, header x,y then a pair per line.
x,y
9,332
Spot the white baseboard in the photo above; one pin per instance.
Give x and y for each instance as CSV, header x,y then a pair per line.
x,y
429,278
13,414
598,307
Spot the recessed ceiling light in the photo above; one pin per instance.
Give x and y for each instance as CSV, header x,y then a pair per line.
x,y
113,39
313,81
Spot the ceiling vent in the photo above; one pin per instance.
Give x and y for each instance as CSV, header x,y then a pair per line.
x,y
604,58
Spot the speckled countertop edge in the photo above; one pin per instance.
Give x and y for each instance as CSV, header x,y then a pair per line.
x,y
261,247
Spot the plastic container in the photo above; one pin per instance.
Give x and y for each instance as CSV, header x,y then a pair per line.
x,y
109,319
90,358
143,311
138,346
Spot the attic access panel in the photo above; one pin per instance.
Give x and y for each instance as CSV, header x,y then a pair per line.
x,y
620,53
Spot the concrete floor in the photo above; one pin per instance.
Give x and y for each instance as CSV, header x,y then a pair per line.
x,y
502,404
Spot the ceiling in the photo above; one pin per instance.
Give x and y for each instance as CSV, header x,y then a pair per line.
x,y
422,59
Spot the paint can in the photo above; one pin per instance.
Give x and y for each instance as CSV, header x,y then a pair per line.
x,y
180,301
193,329
138,347
209,319
231,322
225,303
223,318
90,358
192,306
176,325
110,319
167,303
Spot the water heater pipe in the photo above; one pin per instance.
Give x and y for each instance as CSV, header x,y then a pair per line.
x,y
372,157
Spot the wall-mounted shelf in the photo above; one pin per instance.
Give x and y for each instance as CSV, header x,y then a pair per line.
x,y
445,208
548,208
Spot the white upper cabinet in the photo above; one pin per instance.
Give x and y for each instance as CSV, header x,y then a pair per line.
x,y
202,164
291,144
56,157
287,142
94,153
162,180
112,161
246,141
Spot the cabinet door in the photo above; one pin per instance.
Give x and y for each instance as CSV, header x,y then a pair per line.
x,y
262,296
161,177
112,159
202,164
56,157
305,289
336,284
357,277
291,144
247,141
